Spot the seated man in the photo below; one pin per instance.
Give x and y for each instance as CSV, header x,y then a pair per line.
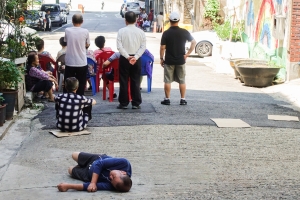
x,y
63,45
99,172
40,45
145,24
73,111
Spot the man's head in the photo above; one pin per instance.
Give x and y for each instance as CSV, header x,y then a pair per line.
x,y
120,180
174,17
62,42
77,19
130,17
48,11
39,44
71,84
100,41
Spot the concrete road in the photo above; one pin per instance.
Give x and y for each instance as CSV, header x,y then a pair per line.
x,y
176,151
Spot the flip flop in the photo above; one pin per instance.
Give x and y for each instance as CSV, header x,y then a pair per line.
x,y
49,100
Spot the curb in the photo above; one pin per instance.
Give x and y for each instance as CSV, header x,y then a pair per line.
x,y
6,126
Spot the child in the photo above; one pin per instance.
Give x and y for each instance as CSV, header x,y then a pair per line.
x,y
38,80
73,111
100,43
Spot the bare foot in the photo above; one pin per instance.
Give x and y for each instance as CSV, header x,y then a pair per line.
x,y
62,187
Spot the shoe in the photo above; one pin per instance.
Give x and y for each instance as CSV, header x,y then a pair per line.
x,y
165,102
136,107
90,88
121,107
114,96
183,102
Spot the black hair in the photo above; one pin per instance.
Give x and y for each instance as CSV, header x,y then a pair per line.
x,y
126,185
100,41
30,60
71,84
161,13
39,44
77,19
130,17
62,41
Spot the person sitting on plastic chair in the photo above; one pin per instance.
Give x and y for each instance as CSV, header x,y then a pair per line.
x,y
73,111
146,24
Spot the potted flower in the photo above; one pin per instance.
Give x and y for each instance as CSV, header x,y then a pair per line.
x,y
10,76
2,110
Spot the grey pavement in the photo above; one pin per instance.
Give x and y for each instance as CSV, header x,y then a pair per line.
x,y
176,151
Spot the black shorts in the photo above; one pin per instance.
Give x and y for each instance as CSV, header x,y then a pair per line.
x,y
85,160
42,85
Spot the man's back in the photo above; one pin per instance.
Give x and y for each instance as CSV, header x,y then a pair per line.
x,y
175,38
76,38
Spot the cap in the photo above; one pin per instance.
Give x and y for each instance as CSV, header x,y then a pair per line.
x,y
174,16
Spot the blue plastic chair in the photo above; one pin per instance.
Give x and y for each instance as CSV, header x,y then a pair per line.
x,y
93,76
146,69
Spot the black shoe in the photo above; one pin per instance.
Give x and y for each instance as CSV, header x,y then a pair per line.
x,y
136,107
114,97
183,102
121,107
165,102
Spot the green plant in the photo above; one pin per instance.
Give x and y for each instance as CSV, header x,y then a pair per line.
x,y
273,63
1,99
10,75
223,30
212,9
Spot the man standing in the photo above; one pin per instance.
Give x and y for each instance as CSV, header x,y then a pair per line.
x,y
131,43
78,40
173,43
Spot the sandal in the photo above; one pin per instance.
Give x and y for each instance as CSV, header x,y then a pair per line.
x,y
49,100
44,97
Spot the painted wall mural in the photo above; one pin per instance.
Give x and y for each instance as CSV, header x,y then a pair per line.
x,y
260,20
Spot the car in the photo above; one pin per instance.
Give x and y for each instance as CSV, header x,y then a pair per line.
x,y
132,6
33,19
65,7
205,41
57,16
122,10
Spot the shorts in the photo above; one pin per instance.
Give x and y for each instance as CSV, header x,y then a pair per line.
x,y
174,73
85,160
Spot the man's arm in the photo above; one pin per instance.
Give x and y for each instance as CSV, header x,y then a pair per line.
x,y
63,187
92,186
162,53
120,46
192,47
142,48
87,40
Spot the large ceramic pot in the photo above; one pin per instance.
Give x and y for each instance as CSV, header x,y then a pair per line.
x,y
233,63
2,114
257,73
10,97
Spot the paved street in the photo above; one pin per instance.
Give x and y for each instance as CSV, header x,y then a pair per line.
x,y
176,151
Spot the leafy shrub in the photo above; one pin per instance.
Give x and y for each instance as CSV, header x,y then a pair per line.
x,y
223,30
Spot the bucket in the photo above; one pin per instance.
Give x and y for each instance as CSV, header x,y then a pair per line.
x,y
2,114
148,29
10,100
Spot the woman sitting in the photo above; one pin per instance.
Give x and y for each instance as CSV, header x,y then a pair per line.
x,y
38,80
100,42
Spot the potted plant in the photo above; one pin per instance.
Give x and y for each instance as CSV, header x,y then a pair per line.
x,y
2,110
258,73
10,76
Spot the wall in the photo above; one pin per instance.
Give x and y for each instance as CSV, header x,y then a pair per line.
x,y
261,35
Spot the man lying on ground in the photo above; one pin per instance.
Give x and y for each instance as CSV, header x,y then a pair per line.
x,y
73,111
99,172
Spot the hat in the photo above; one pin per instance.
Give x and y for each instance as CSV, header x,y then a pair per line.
x,y
174,16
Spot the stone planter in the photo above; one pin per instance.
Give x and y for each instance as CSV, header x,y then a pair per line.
x,y
256,73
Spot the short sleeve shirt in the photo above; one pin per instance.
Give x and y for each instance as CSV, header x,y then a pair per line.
x,y
175,38
76,38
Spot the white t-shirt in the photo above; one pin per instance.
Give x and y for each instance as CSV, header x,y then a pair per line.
x,y
76,38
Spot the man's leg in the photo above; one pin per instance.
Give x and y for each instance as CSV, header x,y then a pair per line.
x,y
167,90
69,72
182,88
81,76
124,74
63,187
135,75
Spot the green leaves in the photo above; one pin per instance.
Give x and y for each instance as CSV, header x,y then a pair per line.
x,y
212,9
10,75
223,30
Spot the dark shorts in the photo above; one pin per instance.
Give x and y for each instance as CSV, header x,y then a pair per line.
x,y
85,160
109,75
42,85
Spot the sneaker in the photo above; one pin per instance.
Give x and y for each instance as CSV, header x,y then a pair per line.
x,y
121,107
136,107
165,102
183,102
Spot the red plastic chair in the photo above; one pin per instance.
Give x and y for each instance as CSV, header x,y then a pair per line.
x,y
101,58
113,65
44,60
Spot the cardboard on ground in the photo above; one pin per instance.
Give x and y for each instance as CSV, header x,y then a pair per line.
x,y
283,118
230,123
60,134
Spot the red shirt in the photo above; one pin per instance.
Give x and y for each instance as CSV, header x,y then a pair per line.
x,y
150,16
